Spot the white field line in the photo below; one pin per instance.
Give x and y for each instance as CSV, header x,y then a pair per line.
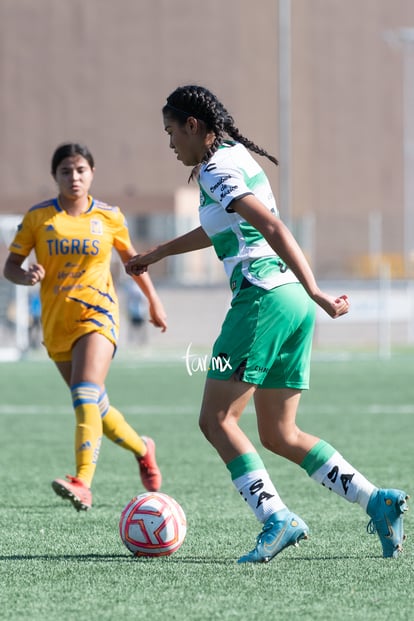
x,y
373,409
6,409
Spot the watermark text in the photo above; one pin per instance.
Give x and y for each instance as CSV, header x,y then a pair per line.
x,y
195,363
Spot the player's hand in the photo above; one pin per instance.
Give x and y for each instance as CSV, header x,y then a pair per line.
x,y
335,307
138,264
135,269
158,316
34,274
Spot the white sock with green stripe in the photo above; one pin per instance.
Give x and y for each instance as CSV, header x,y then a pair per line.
x,y
253,483
326,466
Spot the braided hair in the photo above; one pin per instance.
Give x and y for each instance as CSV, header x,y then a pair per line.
x,y
200,103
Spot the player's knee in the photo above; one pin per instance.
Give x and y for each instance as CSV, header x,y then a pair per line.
x,y
210,426
205,426
275,445
279,443
282,442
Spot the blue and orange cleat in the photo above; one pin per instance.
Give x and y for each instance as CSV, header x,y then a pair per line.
x,y
386,508
281,530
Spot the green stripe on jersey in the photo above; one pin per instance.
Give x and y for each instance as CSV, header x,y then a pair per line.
x,y
226,244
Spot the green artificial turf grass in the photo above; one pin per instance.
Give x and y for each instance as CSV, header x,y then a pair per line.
x,y
58,564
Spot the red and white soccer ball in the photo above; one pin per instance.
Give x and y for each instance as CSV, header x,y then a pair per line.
x,y
153,524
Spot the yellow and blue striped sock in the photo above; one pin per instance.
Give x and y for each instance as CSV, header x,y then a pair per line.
x,y
116,428
88,434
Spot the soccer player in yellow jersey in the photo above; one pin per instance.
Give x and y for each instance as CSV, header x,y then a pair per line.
x,y
72,237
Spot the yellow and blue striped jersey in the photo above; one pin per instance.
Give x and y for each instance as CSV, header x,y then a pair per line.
x,y
77,293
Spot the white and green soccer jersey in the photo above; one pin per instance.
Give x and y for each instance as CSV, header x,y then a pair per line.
x,y
230,174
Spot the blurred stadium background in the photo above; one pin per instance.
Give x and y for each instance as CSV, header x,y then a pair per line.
x,y
328,87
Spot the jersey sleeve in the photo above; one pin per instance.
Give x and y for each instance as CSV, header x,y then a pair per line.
x,y
224,183
122,240
24,239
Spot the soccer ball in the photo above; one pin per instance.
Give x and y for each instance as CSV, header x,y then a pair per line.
x,y
152,524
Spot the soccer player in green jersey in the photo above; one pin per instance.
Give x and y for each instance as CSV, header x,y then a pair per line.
x,y
263,350
72,237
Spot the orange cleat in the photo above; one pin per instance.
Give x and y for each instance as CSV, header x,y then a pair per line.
x,y
150,473
74,490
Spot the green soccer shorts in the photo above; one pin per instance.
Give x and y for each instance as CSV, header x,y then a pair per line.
x,y
266,338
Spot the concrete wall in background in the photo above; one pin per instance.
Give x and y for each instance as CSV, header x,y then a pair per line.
x,y
100,71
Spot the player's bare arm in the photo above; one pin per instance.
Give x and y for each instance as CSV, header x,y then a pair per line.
x,y
194,240
284,244
14,271
158,316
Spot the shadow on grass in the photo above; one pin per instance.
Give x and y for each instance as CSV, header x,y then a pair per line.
x,y
105,558
64,557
